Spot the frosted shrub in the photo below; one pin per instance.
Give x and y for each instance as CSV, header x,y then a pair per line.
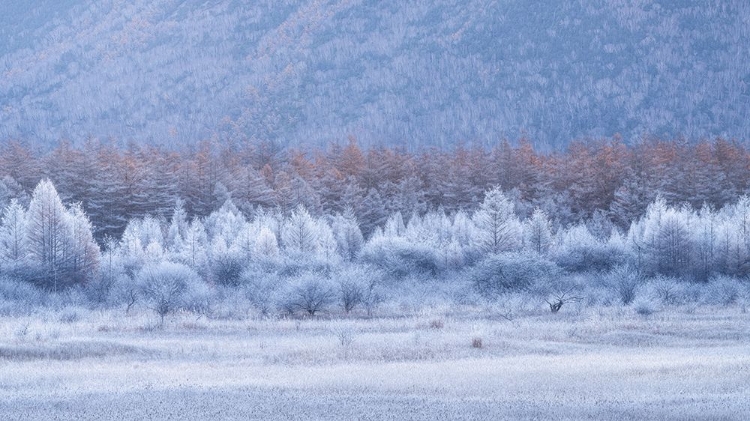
x,y
400,258
13,290
511,272
25,272
666,290
99,290
308,295
561,296
350,292
356,286
644,306
226,268
581,252
345,336
18,297
125,291
69,315
167,287
625,281
722,290
260,288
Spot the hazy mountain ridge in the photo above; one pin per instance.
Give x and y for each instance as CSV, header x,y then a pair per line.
x,y
414,73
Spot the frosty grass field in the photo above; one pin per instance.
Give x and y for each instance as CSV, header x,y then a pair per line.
x,y
604,363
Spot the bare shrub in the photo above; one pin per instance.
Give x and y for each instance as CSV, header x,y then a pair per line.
x,y
559,299
437,324
345,336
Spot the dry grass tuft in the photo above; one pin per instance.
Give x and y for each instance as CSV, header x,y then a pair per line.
x,y
477,343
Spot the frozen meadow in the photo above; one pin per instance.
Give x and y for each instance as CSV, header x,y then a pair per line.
x,y
585,362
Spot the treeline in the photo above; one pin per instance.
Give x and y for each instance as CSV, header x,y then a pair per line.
x,y
295,262
604,183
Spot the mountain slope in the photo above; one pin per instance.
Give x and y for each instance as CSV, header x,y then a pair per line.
x,y
415,73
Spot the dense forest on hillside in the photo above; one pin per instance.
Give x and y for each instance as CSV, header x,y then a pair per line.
x,y
415,74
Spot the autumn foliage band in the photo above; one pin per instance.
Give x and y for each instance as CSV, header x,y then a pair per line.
x,y
603,180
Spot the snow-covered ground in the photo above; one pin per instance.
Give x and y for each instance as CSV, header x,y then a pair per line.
x,y
587,363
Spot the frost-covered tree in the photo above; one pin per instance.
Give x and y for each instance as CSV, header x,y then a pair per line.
x,y
178,227
12,233
673,245
349,239
580,251
226,222
193,252
327,246
83,254
705,236
538,232
309,295
226,263
394,226
300,232
371,213
266,244
47,234
59,242
463,229
497,227
734,238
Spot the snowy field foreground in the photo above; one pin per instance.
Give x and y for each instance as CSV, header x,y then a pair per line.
x,y
594,363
